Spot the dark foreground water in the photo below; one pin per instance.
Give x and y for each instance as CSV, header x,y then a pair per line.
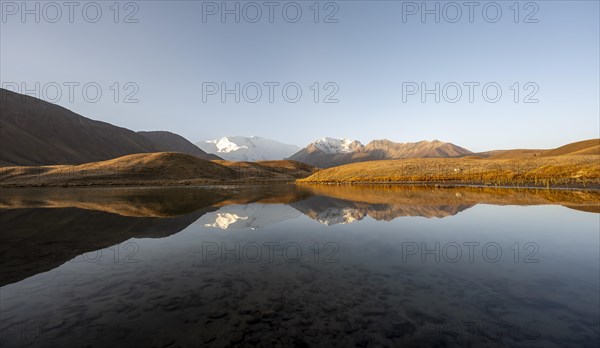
x,y
299,266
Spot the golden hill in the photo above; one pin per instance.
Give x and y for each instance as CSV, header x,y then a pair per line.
x,y
572,165
515,154
586,147
556,171
162,168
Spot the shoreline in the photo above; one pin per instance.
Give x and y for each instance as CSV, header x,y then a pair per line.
x,y
441,185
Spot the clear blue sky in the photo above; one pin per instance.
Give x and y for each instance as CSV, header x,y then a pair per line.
x,y
368,53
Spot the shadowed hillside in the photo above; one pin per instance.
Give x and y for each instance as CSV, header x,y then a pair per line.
x,y
171,142
35,132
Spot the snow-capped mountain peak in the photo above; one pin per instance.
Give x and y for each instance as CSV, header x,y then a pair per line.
x,y
332,145
226,145
240,148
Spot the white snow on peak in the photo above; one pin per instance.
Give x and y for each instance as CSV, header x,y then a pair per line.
x,y
226,145
332,145
239,148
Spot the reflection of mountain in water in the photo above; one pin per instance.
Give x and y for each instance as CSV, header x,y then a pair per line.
x,y
249,216
334,216
43,228
328,211
331,211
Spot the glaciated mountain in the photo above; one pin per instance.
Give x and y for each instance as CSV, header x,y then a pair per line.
x,y
248,149
328,152
333,146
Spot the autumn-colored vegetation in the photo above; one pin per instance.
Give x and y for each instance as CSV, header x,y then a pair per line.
x,y
157,169
555,171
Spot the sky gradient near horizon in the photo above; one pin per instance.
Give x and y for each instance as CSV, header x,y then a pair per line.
x,y
373,51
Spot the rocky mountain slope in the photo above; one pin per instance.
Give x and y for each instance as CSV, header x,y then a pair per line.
x,y
328,152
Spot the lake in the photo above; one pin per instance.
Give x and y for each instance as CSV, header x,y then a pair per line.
x,y
287,265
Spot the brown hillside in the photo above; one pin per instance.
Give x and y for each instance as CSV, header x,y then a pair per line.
x,y
581,147
566,171
586,147
516,154
163,168
378,150
33,131
386,149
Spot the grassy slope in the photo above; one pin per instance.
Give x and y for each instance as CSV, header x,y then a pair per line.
x,y
566,170
572,165
590,147
162,168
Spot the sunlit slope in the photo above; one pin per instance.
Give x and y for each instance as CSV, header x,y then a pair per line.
x,y
571,170
162,168
586,147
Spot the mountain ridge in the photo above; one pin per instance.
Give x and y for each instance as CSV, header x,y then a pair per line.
x,y
314,155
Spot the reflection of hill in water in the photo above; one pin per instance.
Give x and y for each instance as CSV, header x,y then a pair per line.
x,y
147,202
37,240
43,228
445,200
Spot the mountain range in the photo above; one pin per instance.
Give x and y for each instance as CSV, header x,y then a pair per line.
x,y
35,132
329,152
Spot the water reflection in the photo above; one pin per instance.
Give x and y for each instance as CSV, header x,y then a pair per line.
x,y
314,265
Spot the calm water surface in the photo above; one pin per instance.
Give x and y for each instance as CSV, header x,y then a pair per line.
x,y
299,266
